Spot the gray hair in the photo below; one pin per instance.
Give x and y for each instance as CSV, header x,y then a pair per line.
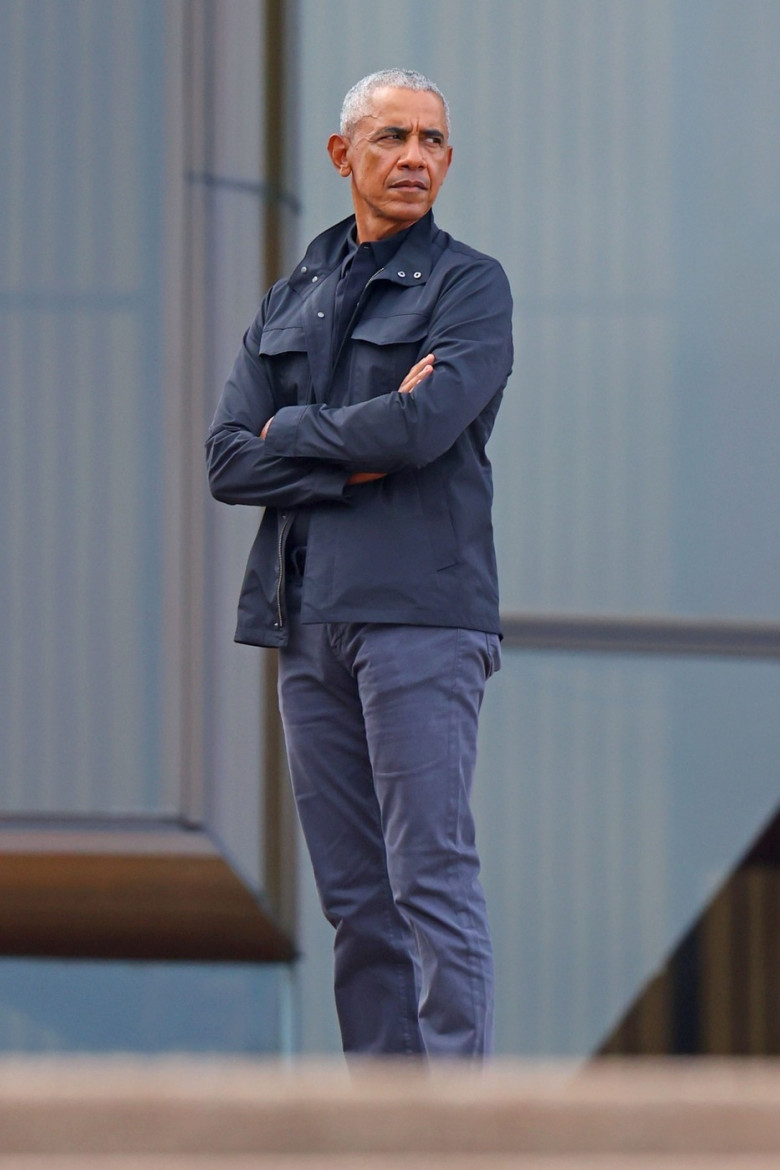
x,y
357,102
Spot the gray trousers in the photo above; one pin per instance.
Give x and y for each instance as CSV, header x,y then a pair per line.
x,y
380,723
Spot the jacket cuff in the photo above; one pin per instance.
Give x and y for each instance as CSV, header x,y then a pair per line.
x,y
280,437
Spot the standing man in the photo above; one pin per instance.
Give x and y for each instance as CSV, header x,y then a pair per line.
x,y
357,413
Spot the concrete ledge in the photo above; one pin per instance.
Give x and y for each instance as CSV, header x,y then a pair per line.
x,y
387,1162
151,1113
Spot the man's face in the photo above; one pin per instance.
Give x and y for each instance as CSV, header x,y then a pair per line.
x,y
397,157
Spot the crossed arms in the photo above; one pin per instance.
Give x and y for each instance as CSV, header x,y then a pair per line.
x,y
418,371
313,453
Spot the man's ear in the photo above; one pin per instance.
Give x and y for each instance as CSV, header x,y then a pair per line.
x,y
337,149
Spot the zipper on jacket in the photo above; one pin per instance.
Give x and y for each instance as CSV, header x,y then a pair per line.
x,y
286,522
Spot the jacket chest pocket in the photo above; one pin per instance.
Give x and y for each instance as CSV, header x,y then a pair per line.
x,y
382,350
286,358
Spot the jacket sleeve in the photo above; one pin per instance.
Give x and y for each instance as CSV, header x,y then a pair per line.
x,y
241,467
471,337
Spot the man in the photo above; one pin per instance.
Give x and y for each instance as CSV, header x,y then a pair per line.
x,y
357,412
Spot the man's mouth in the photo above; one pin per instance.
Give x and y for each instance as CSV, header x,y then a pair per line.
x,y
410,185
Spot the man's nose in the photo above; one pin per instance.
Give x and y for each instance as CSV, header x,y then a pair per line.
x,y
412,155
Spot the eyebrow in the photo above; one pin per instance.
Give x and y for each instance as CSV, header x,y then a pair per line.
x,y
406,130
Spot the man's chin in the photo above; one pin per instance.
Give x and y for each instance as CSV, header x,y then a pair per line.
x,y
410,206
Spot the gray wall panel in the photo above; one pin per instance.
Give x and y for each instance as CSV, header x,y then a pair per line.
x,y
80,288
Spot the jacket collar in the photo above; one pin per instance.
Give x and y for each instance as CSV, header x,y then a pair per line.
x,y
411,264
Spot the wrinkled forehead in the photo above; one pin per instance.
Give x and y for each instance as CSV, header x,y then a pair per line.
x,y
391,106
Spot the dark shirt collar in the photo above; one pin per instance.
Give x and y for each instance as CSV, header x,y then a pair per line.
x,y
381,250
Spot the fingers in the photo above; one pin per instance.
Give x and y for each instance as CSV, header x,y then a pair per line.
x,y
418,371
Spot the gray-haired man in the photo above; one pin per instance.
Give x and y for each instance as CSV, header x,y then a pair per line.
x,y
357,412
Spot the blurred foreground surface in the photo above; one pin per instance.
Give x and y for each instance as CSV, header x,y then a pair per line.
x,y
166,1114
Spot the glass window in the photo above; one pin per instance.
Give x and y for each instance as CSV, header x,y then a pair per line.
x,y
614,795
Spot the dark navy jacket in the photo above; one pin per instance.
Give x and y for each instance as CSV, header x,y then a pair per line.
x,y
416,547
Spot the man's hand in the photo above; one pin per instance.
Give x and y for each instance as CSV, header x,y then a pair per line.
x,y
264,431
418,371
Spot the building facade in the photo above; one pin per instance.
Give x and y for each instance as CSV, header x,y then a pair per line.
x,y
163,163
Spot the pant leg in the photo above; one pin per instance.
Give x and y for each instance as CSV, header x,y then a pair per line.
x,y
421,689
374,969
